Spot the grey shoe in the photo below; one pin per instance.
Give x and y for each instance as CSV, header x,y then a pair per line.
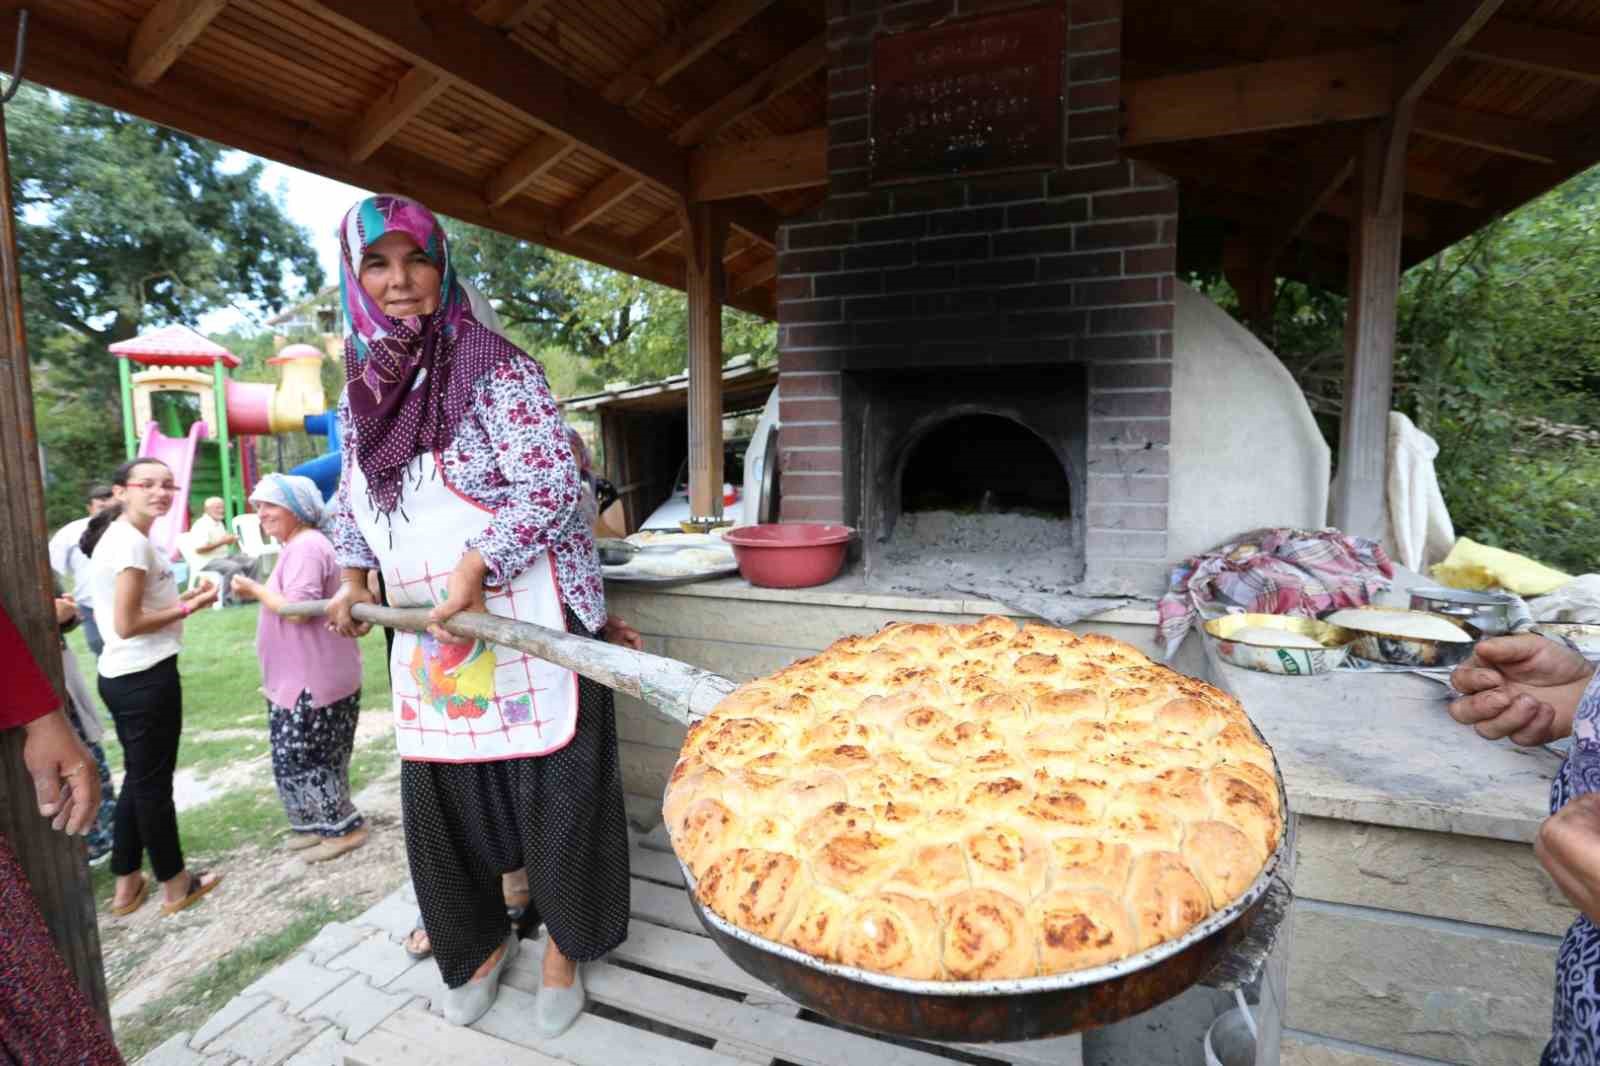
x,y
557,1008
465,1005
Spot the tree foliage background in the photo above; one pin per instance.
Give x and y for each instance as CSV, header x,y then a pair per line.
x,y
1498,359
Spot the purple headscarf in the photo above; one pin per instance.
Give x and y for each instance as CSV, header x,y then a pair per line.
x,y
410,380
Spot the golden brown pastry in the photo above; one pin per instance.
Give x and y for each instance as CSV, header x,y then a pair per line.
x,y
971,802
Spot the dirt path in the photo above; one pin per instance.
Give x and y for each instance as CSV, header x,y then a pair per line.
x,y
147,955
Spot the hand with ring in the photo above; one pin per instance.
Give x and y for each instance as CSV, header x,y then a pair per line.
x,y
64,777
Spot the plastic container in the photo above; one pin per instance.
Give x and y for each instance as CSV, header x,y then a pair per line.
x,y
1231,1039
789,555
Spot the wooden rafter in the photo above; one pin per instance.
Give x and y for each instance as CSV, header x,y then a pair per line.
x,y
1491,133
409,97
529,164
474,55
598,200
709,29
760,274
1558,53
1434,36
163,35
724,171
756,93
70,61
509,14
657,235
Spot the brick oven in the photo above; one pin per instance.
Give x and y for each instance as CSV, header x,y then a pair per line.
x,y
984,343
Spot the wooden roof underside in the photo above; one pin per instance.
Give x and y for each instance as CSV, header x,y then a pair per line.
x,y
585,125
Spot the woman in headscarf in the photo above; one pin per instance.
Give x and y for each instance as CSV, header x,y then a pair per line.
x,y
311,674
459,483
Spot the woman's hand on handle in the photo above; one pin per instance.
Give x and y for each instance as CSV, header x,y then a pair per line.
x,y
464,593
1523,687
65,778
617,631
1568,847
352,591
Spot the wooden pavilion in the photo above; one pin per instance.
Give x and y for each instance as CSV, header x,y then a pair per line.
x,y
679,139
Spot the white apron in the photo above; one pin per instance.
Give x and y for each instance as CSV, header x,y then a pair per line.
x,y
461,703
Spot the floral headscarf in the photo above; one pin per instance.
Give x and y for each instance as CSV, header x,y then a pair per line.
x,y
299,494
409,381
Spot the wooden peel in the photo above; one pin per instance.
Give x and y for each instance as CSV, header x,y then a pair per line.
x,y
675,690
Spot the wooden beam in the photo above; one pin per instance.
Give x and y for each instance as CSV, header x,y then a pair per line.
x,y
163,35
706,230
508,14
658,235
53,863
388,114
1434,34
746,168
1280,93
71,60
451,43
526,168
760,274
1541,49
1361,481
598,200
756,93
1491,133
709,29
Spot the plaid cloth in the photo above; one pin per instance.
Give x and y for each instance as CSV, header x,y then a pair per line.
x,y
1274,571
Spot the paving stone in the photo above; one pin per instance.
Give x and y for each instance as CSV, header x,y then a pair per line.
x,y
377,956
175,1051
231,1013
268,1037
299,982
356,1007
422,980
393,914
326,1050
333,939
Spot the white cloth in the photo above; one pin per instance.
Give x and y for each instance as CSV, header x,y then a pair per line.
x,y
68,560
1419,532
481,703
1576,601
124,548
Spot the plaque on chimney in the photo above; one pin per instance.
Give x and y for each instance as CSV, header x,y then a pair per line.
x,y
969,97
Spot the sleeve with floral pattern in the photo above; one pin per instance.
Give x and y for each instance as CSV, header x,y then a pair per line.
x,y
524,426
350,547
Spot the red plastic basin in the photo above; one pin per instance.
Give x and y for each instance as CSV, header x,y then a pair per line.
x,y
789,555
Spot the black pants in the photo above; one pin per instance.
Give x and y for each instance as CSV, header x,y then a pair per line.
x,y
147,708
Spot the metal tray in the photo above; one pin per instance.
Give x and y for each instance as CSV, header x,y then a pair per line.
x,y
610,573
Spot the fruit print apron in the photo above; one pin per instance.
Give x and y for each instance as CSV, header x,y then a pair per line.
x,y
463,703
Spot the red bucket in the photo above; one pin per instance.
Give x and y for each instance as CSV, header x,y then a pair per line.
x,y
789,555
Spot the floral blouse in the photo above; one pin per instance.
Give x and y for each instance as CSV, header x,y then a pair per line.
x,y
510,454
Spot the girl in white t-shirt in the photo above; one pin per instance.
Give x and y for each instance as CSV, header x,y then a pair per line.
x,y
141,618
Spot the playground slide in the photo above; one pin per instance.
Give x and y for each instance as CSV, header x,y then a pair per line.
x,y
179,455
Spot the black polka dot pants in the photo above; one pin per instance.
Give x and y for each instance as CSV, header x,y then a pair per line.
x,y
560,814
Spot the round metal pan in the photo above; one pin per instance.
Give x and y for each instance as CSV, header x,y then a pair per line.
x,y
1026,1008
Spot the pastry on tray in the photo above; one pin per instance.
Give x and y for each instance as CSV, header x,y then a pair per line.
x,y
973,802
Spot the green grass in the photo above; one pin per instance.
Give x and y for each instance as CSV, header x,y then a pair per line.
x,y
190,1004
221,675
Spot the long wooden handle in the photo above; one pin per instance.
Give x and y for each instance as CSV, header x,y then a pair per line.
x,y
676,690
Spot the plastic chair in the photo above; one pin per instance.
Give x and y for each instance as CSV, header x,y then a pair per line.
x,y
254,543
188,545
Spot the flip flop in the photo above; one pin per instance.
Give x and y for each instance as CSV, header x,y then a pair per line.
x,y
136,902
197,888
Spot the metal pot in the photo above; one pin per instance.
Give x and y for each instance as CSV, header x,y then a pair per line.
x,y
1490,613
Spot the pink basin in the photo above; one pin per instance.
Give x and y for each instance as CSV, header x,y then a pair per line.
x,y
790,555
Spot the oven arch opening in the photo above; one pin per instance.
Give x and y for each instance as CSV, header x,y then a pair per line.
x,y
983,464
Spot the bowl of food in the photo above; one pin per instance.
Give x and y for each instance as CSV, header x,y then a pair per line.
x,y
1279,643
790,555
1400,637
1581,637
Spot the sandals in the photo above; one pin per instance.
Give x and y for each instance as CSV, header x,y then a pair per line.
x,y
136,902
198,886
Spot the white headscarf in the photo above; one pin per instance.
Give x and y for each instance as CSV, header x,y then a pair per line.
x,y
299,495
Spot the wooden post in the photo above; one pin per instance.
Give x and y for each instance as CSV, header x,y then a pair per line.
x,y
1247,264
1369,334
707,230
54,863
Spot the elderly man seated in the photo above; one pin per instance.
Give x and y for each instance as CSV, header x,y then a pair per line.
x,y
216,547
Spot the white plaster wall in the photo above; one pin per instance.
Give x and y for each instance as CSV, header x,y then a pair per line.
x,y
1245,450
